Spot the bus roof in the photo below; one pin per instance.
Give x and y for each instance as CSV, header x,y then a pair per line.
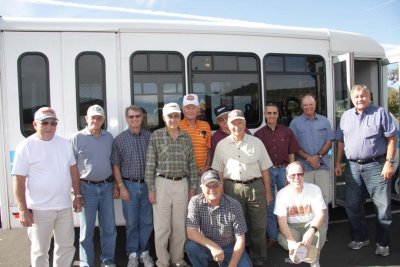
x,y
340,41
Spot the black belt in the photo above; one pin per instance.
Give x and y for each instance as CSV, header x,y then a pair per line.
x,y
279,166
366,161
176,178
109,179
134,180
243,182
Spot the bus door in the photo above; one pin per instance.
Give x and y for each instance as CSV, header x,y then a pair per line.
x,y
90,76
343,79
390,97
31,78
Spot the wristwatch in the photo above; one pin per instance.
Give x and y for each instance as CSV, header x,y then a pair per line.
x,y
390,160
314,228
319,155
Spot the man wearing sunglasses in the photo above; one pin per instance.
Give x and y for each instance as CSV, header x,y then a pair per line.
x,y
300,208
92,148
281,145
44,171
129,162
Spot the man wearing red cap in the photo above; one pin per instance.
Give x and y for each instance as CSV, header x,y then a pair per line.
x,y
44,171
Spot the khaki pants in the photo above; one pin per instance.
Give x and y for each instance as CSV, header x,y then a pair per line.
x,y
46,223
169,215
298,230
252,198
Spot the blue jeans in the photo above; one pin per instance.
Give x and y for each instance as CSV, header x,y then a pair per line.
x,y
138,213
97,198
278,178
361,181
199,255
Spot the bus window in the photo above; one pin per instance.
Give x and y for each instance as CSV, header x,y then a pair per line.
x,y
157,78
232,79
90,84
287,77
33,86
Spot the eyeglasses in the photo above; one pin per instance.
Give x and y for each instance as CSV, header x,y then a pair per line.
x,y
134,116
272,113
46,123
294,175
222,118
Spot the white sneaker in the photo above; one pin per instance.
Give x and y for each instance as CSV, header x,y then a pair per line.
x,y
382,251
315,264
133,260
146,259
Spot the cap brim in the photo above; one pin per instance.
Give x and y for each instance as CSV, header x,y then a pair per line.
x,y
223,113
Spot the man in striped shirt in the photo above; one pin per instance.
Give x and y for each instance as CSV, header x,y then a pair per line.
x,y
171,179
198,130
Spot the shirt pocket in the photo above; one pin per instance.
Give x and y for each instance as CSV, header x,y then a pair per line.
x,y
371,132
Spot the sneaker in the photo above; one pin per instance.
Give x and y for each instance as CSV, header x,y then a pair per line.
x,y
358,245
315,264
133,260
180,264
146,259
108,263
382,251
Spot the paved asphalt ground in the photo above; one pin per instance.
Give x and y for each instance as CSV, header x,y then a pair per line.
x,y
14,246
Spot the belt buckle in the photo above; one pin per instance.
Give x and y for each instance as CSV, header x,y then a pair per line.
x,y
174,178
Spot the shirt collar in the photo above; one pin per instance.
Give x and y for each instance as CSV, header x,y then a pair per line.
x,y
86,131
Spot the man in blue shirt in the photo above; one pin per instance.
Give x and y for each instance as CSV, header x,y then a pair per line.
x,y
368,136
129,161
314,135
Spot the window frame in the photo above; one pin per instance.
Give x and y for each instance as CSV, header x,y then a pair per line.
x,y
103,87
20,101
212,54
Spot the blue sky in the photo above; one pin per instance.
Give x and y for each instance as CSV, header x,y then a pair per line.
x,y
379,19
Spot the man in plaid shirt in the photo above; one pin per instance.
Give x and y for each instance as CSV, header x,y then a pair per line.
x,y
216,226
171,179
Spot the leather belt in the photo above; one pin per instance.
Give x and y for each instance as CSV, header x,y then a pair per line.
x,y
109,179
175,178
279,166
366,161
134,180
243,182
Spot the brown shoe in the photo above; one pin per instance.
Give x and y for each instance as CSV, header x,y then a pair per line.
x,y
271,242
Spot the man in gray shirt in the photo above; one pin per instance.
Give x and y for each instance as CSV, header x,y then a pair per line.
x,y
92,148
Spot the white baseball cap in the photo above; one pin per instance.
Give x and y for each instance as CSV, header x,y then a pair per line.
x,y
170,108
190,99
95,110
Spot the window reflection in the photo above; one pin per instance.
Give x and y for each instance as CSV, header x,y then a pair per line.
x,y
287,77
157,79
229,79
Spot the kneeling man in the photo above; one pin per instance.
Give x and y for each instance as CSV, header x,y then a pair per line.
x,y
300,209
216,226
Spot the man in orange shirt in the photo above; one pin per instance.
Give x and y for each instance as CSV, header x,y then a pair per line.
x,y
199,131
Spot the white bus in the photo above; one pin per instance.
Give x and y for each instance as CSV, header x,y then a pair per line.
x,y
71,64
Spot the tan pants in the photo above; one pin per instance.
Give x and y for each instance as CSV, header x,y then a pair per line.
x,y
46,223
169,215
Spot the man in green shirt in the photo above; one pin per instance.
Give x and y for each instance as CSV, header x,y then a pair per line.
x,y
171,180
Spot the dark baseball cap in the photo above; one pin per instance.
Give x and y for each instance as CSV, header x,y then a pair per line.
x,y
210,176
221,110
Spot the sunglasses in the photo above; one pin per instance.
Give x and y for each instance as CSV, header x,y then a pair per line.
x,y
134,116
294,175
46,123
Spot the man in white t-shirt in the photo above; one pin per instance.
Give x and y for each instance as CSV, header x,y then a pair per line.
x,y
300,209
44,171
